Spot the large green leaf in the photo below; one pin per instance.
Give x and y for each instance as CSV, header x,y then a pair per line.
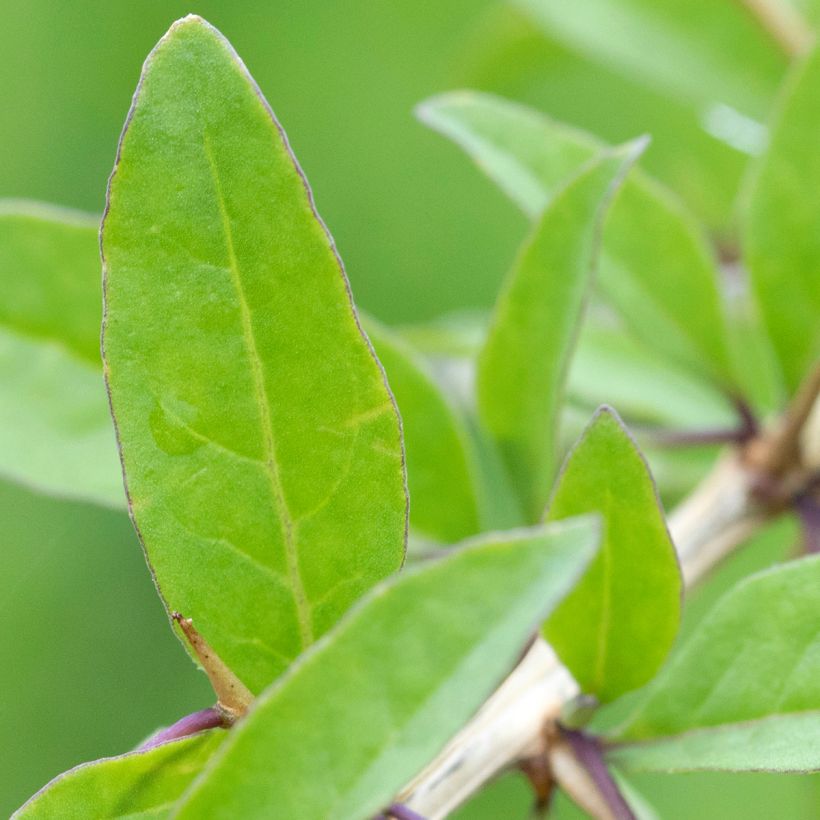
x,y
677,48
138,784
55,428
441,473
616,627
523,364
783,226
358,716
655,266
744,692
261,446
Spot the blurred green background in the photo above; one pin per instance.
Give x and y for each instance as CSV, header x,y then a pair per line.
x,y
88,665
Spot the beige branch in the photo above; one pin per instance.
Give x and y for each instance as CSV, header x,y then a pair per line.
x,y
720,514
784,24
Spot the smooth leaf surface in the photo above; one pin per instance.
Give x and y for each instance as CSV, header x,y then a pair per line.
x,y
523,365
616,627
55,428
261,446
783,226
368,707
441,474
744,692
138,784
655,267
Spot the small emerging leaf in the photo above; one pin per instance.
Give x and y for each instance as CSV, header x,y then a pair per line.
x,y
365,709
132,785
744,692
616,627
523,364
783,226
260,443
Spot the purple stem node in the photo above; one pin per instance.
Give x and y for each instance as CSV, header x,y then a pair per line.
x,y
210,718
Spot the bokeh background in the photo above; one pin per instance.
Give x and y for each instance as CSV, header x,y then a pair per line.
x,y
88,665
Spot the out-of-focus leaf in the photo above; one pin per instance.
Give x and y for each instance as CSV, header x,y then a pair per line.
x,y
49,258
440,470
524,362
702,52
616,627
783,226
655,268
701,155
528,155
610,367
640,806
138,784
508,796
261,446
55,428
759,376
369,706
744,692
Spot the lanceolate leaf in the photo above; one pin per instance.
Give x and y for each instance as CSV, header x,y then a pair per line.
x,y
783,226
744,693
523,364
655,266
441,473
367,708
55,428
616,627
260,444
139,784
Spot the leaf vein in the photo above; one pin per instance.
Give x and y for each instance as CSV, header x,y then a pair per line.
x,y
288,526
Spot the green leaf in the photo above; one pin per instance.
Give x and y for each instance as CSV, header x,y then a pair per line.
x,y
782,230
55,428
700,154
441,475
138,784
616,627
744,692
261,446
525,153
655,268
679,49
360,714
523,364
610,366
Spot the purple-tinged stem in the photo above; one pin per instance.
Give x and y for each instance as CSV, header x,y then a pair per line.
x,y
808,511
745,431
398,812
588,751
694,438
209,718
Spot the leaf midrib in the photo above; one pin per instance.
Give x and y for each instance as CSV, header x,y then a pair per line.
x,y
263,402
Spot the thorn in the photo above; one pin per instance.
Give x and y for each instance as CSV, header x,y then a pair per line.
x,y
233,697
